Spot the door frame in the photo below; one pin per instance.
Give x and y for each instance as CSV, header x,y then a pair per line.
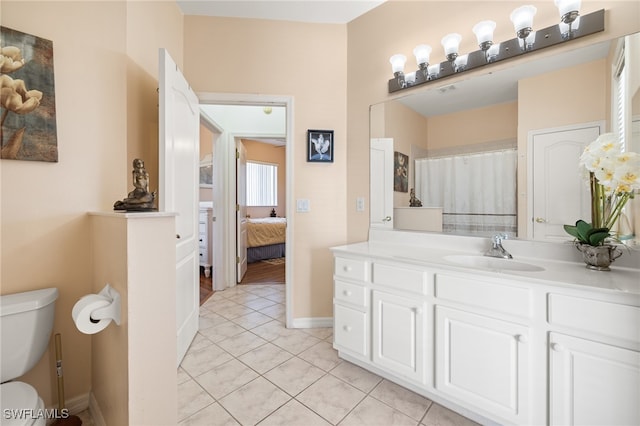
x,y
225,166
530,178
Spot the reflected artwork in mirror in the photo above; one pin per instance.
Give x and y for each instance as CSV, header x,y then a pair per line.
x,y
471,141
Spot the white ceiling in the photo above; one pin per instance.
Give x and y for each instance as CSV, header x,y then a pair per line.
x,y
316,11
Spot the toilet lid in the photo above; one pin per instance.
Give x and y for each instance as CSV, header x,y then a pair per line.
x,y
18,396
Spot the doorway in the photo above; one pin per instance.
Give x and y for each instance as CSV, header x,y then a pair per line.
x,y
225,177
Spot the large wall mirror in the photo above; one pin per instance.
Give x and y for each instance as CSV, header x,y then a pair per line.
x,y
472,143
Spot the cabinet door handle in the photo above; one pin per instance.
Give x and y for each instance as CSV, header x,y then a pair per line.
x,y
347,293
540,220
347,268
347,328
387,219
178,236
521,338
556,347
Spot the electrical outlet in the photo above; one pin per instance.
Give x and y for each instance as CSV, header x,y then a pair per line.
x,y
360,204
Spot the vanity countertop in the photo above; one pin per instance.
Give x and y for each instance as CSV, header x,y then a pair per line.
x,y
556,272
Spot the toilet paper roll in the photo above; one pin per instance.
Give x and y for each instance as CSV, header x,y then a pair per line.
x,y
81,313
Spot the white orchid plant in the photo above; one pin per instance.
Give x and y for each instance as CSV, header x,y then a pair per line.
x,y
613,177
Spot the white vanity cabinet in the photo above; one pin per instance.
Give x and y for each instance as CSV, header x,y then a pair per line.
x,y
495,347
482,345
594,362
398,319
398,334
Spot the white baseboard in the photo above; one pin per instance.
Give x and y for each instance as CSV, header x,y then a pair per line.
x,y
74,405
316,322
94,409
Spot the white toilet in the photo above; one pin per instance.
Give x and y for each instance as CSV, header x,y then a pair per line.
x,y
26,321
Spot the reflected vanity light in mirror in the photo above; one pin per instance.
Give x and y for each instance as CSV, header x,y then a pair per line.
x,y
526,41
461,63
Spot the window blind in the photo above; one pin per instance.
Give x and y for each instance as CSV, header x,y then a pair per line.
x,y
262,184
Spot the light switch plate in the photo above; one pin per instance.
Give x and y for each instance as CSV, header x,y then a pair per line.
x,y
302,205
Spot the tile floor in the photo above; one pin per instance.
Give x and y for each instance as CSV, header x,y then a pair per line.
x,y
245,368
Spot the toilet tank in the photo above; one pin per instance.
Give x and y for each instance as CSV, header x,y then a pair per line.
x,y
26,321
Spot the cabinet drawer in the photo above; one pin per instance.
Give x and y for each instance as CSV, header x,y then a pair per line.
x,y
505,298
594,316
351,293
352,268
414,280
350,330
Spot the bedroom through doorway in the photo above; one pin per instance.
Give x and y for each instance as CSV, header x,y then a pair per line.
x,y
261,171
262,122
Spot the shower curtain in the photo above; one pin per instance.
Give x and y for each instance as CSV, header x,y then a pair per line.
x,y
477,192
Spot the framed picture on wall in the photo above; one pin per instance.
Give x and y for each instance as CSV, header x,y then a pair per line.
x,y
400,172
206,172
320,146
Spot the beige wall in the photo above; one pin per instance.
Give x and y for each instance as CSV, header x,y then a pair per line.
x,y
105,99
257,151
398,26
308,62
495,123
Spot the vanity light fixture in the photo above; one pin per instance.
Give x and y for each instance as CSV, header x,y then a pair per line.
x,y
484,34
522,18
572,25
569,10
451,44
422,53
397,66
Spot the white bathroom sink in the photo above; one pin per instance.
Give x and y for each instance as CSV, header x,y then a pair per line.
x,y
492,263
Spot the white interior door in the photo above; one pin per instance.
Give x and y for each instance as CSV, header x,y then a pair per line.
x,y
381,183
560,195
179,176
241,209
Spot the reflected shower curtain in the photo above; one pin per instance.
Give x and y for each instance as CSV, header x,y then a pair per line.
x,y
477,192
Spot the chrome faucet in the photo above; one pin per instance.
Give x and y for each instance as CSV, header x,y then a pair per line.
x,y
496,249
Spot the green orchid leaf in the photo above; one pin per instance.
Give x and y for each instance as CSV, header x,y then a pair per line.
x,y
572,230
597,236
583,230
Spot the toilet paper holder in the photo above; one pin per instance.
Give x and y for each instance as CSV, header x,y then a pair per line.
x,y
111,311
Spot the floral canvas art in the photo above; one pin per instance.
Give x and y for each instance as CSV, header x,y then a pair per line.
x,y
27,102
